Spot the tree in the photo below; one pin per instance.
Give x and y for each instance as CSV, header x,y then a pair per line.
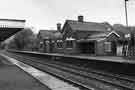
x,y
22,40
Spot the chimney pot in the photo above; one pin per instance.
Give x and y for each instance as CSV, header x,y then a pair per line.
x,y
59,27
80,18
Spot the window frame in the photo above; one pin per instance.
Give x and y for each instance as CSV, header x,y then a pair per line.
x,y
68,45
59,42
108,46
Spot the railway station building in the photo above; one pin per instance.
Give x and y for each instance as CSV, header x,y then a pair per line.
x,y
89,38
82,37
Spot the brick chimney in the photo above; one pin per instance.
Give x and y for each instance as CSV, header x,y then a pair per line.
x,y
80,18
59,27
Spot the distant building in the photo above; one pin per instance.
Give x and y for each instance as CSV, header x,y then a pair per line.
x,y
45,37
48,39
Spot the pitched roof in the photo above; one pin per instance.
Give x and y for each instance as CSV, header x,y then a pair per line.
x,y
58,35
50,34
88,26
46,34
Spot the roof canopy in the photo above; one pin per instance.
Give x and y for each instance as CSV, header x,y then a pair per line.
x,y
8,27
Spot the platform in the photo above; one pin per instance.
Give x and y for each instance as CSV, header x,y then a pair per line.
x,y
117,59
13,78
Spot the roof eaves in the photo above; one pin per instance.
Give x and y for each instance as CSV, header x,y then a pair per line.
x,y
114,33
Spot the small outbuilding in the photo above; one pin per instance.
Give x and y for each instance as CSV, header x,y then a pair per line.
x,y
46,38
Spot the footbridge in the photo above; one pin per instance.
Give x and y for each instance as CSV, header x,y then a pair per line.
x,y
9,27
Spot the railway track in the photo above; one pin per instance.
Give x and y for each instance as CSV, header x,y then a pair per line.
x,y
81,76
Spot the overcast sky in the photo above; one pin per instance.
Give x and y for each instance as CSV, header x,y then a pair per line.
x,y
45,14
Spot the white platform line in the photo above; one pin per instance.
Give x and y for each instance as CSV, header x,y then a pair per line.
x,y
48,80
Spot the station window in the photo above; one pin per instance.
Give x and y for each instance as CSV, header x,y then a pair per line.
x,y
59,44
69,44
107,46
41,44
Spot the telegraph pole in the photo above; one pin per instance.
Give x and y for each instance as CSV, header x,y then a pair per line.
x,y
131,41
126,18
126,12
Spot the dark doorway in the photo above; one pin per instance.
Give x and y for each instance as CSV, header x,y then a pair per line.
x,y
51,47
86,47
114,48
